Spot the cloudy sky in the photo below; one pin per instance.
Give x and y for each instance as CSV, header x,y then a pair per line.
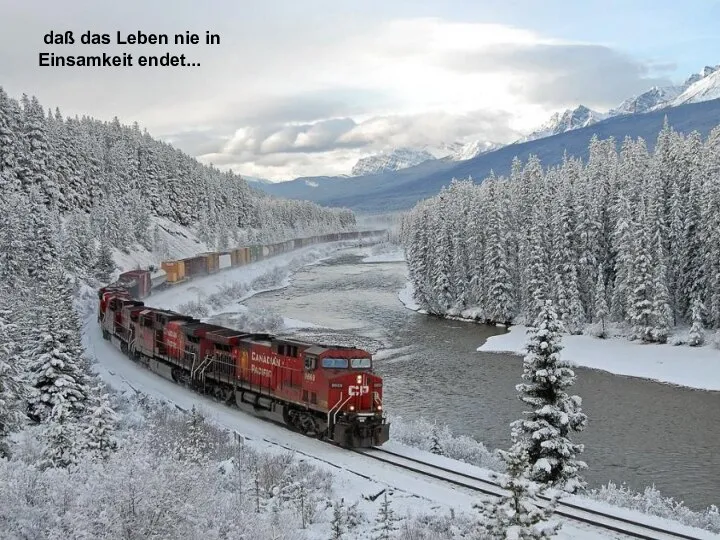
x,y
299,88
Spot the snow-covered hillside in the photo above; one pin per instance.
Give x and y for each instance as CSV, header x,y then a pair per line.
x,y
255,180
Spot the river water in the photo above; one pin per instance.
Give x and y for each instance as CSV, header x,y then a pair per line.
x,y
639,432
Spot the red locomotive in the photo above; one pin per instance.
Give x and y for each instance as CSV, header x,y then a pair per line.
x,y
324,391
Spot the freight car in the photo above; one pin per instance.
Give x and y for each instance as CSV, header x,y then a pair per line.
x,y
141,282
324,391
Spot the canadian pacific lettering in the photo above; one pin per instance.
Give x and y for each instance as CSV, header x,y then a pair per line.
x,y
262,372
265,358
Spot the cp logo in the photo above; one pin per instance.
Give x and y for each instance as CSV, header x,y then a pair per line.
x,y
358,390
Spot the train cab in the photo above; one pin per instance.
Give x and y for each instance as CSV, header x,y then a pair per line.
x,y
350,392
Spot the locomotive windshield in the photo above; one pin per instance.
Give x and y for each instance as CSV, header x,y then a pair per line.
x,y
334,363
358,363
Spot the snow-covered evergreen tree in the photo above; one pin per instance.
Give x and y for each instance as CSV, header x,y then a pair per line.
x,y
435,445
105,265
545,432
337,525
697,336
517,515
601,311
500,299
62,436
11,386
385,522
56,363
101,421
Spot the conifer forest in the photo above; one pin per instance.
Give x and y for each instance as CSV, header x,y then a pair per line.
x,y
630,237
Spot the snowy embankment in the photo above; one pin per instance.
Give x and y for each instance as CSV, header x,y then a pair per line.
x,y
693,367
386,253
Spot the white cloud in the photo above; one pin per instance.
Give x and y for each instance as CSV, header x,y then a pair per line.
x,y
292,91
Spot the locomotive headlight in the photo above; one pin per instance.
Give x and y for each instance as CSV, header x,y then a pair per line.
x,y
352,407
379,407
358,379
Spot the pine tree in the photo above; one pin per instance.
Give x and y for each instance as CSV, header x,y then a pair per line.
x,y
105,264
697,337
517,515
537,267
101,420
500,302
338,521
196,445
385,522
62,436
601,307
661,311
10,144
353,517
435,445
56,364
11,387
640,313
544,433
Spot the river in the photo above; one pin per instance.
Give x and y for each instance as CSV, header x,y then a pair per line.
x,y
639,432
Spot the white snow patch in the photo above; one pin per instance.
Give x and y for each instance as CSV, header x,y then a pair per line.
x,y
694,367
406,297
390,256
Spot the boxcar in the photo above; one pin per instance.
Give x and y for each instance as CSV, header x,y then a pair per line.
x,y
225,260
195,266
212,262
137,281
158,278
175,271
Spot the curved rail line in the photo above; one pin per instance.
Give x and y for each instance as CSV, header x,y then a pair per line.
x,y
568,510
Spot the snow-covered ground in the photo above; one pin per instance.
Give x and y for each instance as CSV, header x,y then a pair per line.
x,y
357,478
384,252
694,367
390,256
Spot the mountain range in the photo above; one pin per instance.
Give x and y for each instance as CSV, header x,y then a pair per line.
x,y
383,186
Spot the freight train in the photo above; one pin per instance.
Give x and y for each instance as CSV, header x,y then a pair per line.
x,y
141,282
325,391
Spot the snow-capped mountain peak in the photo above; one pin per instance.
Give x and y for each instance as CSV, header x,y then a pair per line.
x,y
579,117
655,97
705,88
695,77
473,149
393,160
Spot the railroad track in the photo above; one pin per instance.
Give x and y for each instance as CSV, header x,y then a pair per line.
x,y
568,510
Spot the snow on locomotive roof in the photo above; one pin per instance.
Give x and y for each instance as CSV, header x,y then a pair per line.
x,y
315,350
